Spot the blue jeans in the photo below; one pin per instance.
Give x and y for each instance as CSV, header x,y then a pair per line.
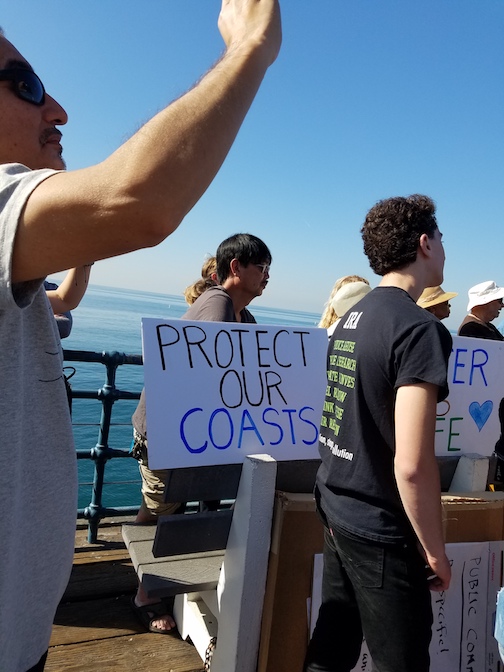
x,y
380,591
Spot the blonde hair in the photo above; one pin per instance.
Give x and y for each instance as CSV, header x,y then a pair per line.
x,y
208,279
329,315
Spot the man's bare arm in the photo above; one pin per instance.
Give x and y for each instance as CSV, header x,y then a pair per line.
x,y
140,194
417,474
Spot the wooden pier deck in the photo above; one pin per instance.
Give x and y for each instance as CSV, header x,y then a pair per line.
x,y
95,628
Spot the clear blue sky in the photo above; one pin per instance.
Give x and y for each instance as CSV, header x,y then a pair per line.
x,y
367,99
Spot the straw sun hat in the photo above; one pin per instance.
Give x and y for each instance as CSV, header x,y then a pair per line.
x,y
431,296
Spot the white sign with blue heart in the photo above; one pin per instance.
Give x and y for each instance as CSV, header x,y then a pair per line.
x,y
471,419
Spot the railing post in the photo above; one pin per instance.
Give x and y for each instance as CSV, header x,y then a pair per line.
x,y
107,396
101,452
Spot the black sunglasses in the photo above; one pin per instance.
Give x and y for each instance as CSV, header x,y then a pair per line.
x,y
27,85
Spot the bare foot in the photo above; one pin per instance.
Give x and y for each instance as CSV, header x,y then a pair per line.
x,y
154,620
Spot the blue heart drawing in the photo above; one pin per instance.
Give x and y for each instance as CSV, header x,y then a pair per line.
x,y
480,412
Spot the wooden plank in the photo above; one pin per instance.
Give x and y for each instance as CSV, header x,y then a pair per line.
x,y
173,577
109,547
155,653
221,481
203,483
108,534
447,466
194,533
296,475
103,634
179,574
141,554
133,532
83,556
101,579
93,619
101,569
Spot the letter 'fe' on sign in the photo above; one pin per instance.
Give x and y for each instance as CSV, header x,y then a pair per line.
x,y
216,392
471,419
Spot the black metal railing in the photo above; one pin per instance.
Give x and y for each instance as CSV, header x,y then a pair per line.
x,y
101,452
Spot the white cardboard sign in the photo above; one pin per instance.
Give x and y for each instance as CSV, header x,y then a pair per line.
x,y
459,628
460,613
216,391
468,420
493,661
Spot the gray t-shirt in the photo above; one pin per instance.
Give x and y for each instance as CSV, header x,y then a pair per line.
x,y
38,479
214,305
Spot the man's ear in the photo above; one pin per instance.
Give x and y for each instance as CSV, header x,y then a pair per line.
x,y
424,245
234,267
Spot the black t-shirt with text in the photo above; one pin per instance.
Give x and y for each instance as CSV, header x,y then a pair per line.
x,y
384,342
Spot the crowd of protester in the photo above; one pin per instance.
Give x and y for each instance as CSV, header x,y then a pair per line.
x,y
377,489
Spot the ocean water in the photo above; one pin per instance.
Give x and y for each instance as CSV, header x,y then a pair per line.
x,y
107,320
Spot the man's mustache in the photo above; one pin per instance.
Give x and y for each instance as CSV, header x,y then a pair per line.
x,y
49,134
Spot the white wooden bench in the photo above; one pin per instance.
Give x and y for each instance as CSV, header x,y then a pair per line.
x,y
215,562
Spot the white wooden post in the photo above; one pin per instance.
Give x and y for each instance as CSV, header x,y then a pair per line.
x,y
242,581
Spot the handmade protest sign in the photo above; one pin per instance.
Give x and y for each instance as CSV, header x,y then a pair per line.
x,y
216,392
471,419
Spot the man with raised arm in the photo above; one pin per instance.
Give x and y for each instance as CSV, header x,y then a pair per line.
x,y
51,220
378,488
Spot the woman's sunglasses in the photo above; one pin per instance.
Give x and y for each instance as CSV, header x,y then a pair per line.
x,y
27,85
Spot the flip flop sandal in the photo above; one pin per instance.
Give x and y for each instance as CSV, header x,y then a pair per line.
x,y
151,612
